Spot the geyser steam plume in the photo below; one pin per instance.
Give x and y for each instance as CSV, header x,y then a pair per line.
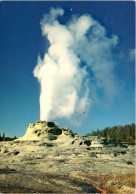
x,y
79,58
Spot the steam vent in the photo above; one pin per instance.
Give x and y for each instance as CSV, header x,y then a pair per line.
x,y
48,131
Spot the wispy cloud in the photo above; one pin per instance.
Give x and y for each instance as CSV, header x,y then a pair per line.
x,y
131,54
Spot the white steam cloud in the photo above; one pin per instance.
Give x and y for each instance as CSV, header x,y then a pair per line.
x,y
79,61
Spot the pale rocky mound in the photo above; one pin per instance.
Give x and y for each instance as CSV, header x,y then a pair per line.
x,y
50,132
46,131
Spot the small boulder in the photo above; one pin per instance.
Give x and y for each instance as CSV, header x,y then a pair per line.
x,y
55,131
87,142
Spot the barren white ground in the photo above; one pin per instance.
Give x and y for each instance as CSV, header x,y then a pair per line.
x,y
46,148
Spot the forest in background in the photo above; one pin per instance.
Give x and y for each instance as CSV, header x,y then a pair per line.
x,y
124,133
4,138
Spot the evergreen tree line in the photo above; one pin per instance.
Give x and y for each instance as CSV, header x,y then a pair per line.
x,y
122,133
4,138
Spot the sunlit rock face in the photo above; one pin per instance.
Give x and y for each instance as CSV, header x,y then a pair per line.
x,y
48,131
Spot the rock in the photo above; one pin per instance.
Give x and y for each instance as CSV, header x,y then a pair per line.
x,y
55,131
52,137
87,142
45,131
129,162
16,153
51,124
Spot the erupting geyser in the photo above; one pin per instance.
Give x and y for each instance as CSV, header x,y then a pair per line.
x,y
78,61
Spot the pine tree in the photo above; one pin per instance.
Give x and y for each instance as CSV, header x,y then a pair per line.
x,y
3,136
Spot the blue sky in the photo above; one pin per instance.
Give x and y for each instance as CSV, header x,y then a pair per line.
x,y
21,42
